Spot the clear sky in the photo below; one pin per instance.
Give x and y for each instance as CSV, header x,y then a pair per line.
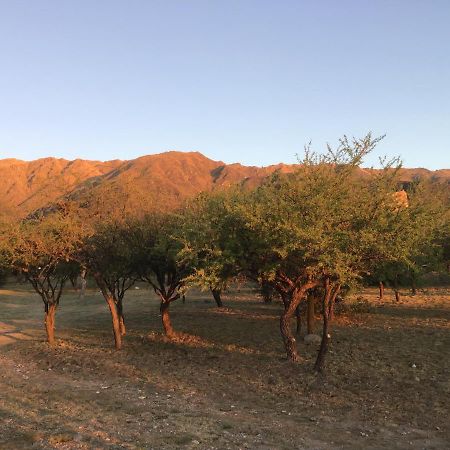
x,y
238,80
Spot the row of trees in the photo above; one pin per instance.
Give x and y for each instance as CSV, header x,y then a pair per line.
x,y
313,232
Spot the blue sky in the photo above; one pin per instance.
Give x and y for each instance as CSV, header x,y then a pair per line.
x,y
247,81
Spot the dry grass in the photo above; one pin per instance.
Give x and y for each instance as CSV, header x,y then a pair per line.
x,y
224,383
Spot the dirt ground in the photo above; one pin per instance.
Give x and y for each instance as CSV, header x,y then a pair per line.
x,y
227,384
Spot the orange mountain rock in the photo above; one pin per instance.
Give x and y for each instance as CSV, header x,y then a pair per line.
x,y
160,179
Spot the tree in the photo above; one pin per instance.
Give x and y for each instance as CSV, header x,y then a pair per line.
x,y
323,226
302,225
155,250
424,220
41,250
207,226
108,255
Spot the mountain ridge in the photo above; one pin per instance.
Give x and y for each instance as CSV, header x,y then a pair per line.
x,y
163,178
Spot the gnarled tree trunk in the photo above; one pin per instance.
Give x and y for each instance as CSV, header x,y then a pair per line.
x,y
49,320
285,321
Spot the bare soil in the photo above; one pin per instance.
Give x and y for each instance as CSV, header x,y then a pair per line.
x,y
225,383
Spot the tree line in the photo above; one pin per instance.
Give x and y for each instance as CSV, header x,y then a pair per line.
x,y
311,234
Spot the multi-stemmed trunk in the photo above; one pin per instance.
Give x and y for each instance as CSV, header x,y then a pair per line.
x,y
285,319
330,293
50,290
216,292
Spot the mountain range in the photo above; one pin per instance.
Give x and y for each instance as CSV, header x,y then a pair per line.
x,y
164,179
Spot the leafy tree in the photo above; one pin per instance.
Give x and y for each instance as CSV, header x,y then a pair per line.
x,y
205,234
304,227
108,255
42,250
155,251
323,226
425,221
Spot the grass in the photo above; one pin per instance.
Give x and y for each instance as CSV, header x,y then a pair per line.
x,y
225,383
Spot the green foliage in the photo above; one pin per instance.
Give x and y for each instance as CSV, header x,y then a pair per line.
x,y
323,220
209,239
42,251
155,250
425,224
107,253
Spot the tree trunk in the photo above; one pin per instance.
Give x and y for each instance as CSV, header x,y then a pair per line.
x,y
165,317
122,327
298,319
73,281
320,361
327,306
83,284
310,314
285,321
396,290
216,294
288,339
381,287
266,292
285,300
413,286
112,309
50,310
115,322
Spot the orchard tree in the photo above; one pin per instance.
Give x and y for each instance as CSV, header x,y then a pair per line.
x,y
155,249
301,228
107,254
42,250
206,234
321,227
425,219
